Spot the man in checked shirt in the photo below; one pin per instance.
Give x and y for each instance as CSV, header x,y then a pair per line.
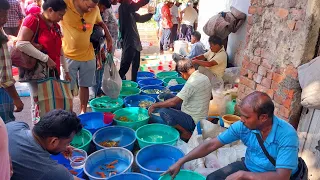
x,y
15,18
8,93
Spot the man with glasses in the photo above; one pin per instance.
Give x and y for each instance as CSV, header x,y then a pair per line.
x,y
77,26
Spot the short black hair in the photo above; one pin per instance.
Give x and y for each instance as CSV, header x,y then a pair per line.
x,y
260,102
184,65
106,3
4,5
56,5
215,40
57,123
197,35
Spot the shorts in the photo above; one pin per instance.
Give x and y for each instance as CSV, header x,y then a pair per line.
x,y
82,72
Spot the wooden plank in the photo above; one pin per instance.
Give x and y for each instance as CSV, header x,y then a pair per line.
x,y
304,125
311,150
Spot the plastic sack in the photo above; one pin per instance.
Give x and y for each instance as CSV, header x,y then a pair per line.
x,y
231,75
111,81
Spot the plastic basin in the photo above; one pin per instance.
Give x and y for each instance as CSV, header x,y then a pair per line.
x,y
175,89
154,95
144,75
96,162
167,74
136,116
156,118
184,175
156,134
82,140
155,159
127,83
66,163
178,79
129,91
143,101
150,82
130,176
106,104
93,121
125,136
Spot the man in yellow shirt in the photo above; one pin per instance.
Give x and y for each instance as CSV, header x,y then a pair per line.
x,y
77,26
215,59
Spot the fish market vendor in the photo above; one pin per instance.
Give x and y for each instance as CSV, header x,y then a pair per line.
x,y
194,100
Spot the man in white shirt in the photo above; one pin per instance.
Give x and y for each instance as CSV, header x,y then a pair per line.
x,y
175,21
194,99
189,22
215,60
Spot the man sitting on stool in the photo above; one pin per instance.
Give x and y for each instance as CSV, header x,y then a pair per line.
x,y
194,99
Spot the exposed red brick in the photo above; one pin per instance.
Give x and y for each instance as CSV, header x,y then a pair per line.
x,y
247,82
259,11
252,10
265,63
261,88
257,52
250,74
249,90
274,85
299,25
253,67
278,69
270,92
277,77
254,2
266,83
250,20
243,72
291,24
287,103
262,71
297,14
284,112
257,78
241,88
256,60
282,13
291,71
278,99
289,93
269,75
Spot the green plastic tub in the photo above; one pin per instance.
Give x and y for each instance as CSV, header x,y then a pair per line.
x,y
136,117
178,79
82,140
166,74
184,175
156,134
127,83
106,104
129,91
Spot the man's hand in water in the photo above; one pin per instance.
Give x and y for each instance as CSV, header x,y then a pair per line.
x,y
173,170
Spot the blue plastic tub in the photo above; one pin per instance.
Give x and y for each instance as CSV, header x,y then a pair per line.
x,y
154,95
156,118
156,159
93,121
96,162
125,136
130,176
135,100
144,75
66,163
150,82
175,89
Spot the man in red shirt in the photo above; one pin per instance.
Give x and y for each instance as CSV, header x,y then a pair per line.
x,y
166,25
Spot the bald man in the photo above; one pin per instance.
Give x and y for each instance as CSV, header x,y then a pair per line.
x,y
258,123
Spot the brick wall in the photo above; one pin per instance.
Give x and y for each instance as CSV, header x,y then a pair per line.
x,y
278,40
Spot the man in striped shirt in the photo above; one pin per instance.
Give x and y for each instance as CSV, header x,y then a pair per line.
x,y
8,93
194,99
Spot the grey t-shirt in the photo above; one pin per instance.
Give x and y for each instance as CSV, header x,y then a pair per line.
x,y
29,160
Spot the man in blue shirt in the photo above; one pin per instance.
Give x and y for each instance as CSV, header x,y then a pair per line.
x,y
279,137
197,48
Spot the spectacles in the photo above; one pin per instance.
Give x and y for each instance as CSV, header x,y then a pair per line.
x,y
84,25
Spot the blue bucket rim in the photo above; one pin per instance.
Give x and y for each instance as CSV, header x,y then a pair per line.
x,y
134,173
156,79
144,109
186,170
142,95
130,164
151,87
110,127
152,171
88,113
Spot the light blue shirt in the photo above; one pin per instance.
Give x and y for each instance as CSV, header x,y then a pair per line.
x,y
282,144
196,50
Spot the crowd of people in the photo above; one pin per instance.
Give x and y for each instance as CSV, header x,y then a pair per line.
x,y
59,33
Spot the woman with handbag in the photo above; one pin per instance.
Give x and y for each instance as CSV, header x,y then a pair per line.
x,y
40,37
